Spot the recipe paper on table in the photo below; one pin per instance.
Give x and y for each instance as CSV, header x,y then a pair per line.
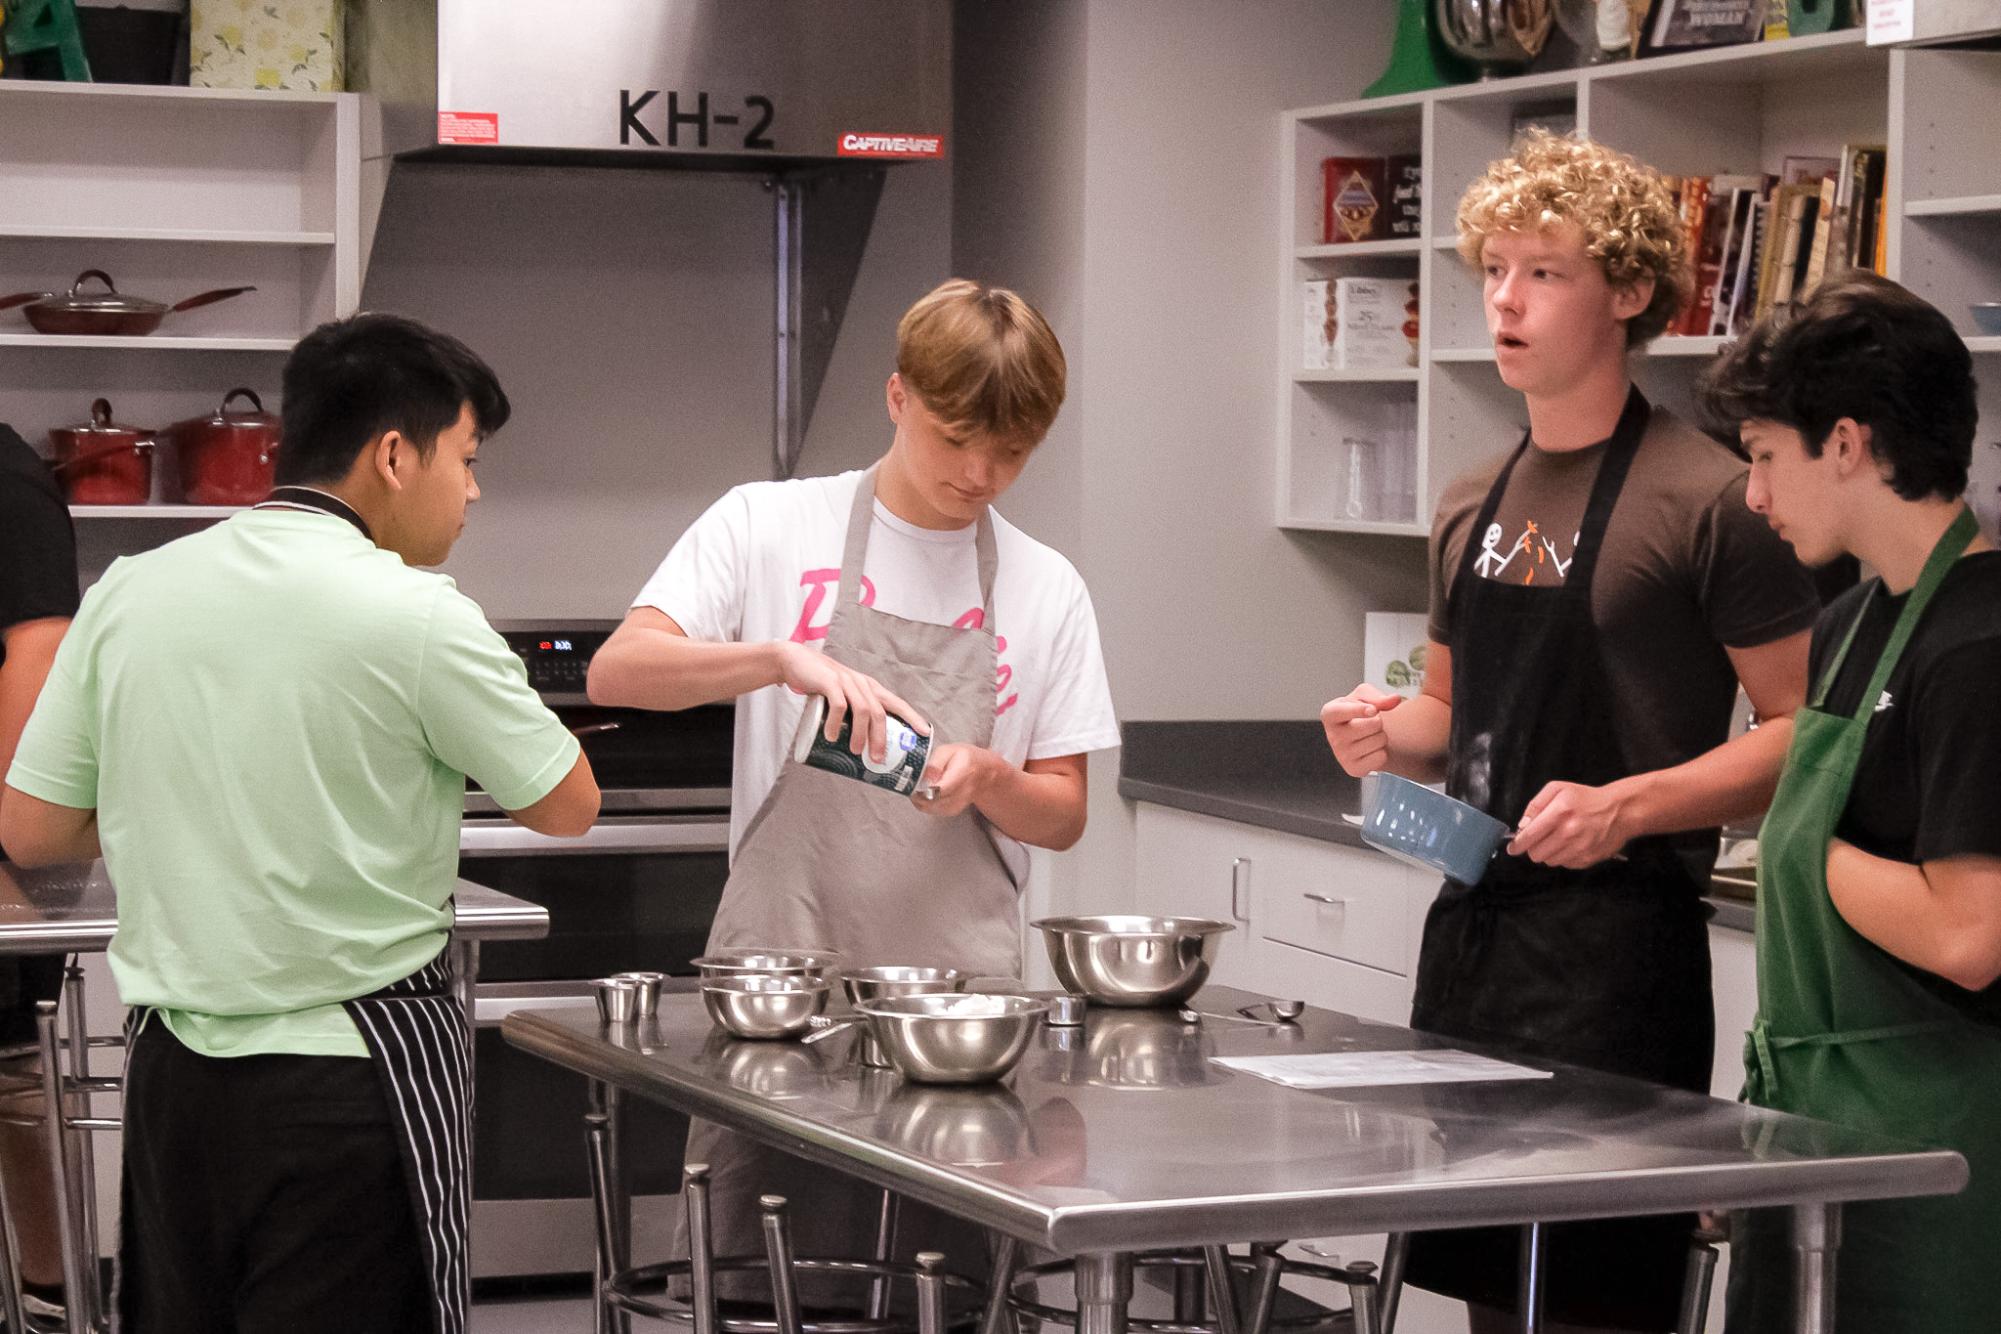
x,y
1375,1069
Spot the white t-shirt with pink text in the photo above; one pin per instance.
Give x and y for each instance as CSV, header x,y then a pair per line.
x,y
764,563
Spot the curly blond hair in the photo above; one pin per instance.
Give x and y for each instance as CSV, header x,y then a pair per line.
x,y
1623,207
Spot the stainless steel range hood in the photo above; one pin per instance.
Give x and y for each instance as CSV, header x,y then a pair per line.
x,y
812,98
709,84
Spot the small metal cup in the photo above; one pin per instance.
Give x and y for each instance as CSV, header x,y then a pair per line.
x,y
1066,1011
618,999
649,991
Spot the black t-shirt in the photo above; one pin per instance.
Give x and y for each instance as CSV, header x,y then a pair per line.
x,y
37,542
1928,785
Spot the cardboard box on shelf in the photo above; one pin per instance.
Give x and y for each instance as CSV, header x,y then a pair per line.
x,y
1368,319
1353,198
1317,336
1404,175
290,44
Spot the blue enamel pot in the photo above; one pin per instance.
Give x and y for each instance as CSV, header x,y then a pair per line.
x,y
1428,829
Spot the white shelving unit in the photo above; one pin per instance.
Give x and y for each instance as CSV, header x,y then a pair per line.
x,y
184,513
172,191
1738,109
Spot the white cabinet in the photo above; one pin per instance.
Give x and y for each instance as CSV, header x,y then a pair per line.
x,y
1332,925
172,191
1733,959
1727,110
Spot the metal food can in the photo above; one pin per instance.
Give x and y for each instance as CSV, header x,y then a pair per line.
x,y
904,758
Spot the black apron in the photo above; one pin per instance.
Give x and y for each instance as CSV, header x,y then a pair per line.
x,y
420,1041
1606,967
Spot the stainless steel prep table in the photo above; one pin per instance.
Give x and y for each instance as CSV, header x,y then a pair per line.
x,y
73,909
1123,1137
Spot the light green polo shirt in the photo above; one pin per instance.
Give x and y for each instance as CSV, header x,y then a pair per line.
x,y
274,720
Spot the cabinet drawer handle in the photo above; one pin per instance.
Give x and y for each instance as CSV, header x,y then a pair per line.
x,y
1240,881
1327,899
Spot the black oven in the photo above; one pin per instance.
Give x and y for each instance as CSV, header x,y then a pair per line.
x,y
639,891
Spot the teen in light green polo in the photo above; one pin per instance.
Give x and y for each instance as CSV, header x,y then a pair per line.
x,y
266,729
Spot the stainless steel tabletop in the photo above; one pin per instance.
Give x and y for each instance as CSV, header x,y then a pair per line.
x,y
59,909
1123,1136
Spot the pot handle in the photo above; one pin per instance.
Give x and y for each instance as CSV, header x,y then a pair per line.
x,y
210,298
256,403
22,299
98,274
104,452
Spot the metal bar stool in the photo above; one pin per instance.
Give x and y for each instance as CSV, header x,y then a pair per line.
x,y
1204,1283
624,1290
68,1126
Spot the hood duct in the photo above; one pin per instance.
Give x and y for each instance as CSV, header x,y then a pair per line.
x,y
812,99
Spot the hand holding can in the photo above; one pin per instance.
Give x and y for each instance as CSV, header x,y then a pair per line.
x,y
906,753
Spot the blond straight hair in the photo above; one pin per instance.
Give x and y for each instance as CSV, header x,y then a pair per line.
x,y
983,360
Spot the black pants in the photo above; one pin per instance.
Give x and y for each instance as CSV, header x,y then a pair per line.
x,y
264,1195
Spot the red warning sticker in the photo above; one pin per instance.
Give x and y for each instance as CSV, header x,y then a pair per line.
x,y
892,145
468,127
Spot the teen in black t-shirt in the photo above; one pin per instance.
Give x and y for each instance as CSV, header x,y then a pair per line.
x,y
1929,783
38,595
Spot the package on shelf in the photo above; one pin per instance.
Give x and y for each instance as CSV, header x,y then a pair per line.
x,y
1317,335
1367,319
1352,197
290,44
1404,176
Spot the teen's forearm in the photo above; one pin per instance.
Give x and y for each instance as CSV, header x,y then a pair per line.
x,y
1418,731
1043,810
1731,783
1897,906
643,668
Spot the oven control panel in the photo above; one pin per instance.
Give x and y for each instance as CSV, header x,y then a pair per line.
x,y
558,657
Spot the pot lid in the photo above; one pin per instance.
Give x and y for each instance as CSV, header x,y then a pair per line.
x,y
100,422
110,301
254,415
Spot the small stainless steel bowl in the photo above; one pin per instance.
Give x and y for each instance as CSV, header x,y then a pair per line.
x,y
769,961
949,1039
1132,961
649,991
872,984
618,999
756,1006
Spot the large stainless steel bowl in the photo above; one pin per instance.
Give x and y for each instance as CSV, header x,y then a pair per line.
x,y
756,1006
870,984
948,1039
769,961
1132,961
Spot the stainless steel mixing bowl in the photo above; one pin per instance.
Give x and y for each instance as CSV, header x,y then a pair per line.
x,y
756,1006
1132,961
871,984
769,961
951,1039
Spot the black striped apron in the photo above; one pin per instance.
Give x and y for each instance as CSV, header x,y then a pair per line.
x,y
417,1032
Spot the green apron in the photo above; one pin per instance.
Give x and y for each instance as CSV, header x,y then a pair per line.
x,y
1844,1034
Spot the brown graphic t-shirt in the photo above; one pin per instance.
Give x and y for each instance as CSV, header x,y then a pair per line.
x,y
1687,570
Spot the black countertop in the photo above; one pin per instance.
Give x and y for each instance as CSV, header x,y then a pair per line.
x,y
1272,774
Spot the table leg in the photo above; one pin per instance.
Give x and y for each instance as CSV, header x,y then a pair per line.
x,y
1530,1292
1191,1295
1222,1292
885,1249
614,1245
1104,1290
1816,1239
1005,1250
1396,1253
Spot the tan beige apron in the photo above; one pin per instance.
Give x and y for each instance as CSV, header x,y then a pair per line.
x,y
842,865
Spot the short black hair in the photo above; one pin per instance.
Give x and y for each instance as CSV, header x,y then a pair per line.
x,y
1865,348
350,380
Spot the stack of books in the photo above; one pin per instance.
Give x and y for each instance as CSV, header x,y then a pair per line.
x,y
1759,241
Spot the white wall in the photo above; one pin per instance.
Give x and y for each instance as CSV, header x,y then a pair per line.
x,y
629,317
1119,162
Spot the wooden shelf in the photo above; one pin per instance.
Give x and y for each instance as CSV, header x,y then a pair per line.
x,y
1363,375
149,343
183,512
31,232
1412,246
1964,206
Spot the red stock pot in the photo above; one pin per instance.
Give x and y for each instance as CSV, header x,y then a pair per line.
x,y
228,457
103,463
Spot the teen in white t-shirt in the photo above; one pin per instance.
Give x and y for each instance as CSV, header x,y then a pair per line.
x,y
764,564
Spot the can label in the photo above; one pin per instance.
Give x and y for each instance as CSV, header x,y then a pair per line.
x,y
904,757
